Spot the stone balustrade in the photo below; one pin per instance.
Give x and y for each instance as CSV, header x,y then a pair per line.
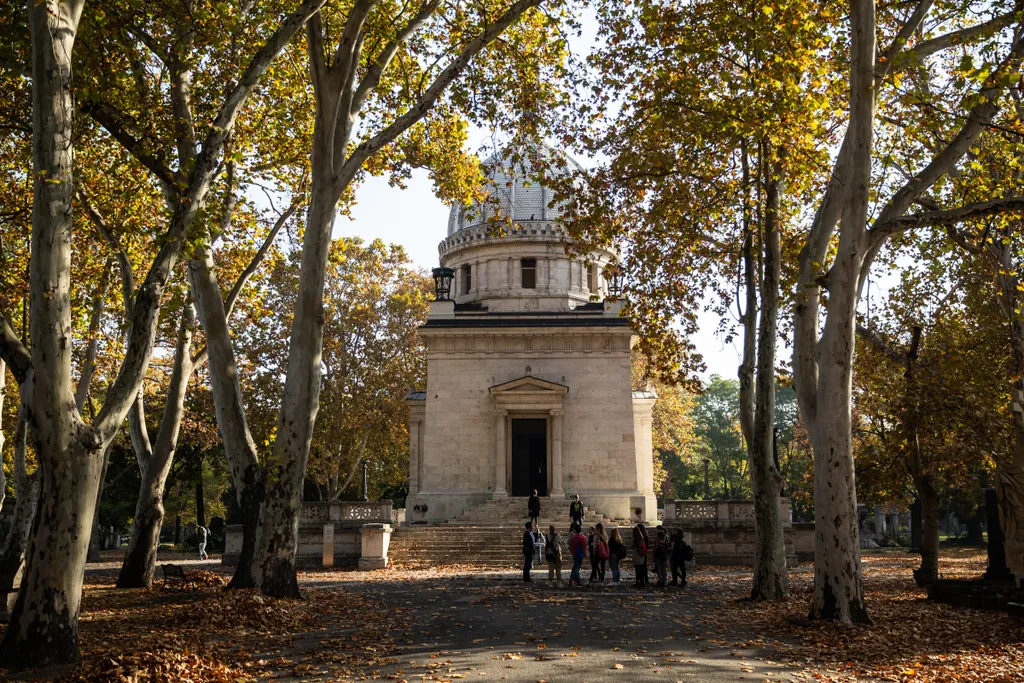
x,y
346,511
332,534
737,513
547,230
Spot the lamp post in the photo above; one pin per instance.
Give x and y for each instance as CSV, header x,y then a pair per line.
x,y
707,482
364,463
443,283
615,277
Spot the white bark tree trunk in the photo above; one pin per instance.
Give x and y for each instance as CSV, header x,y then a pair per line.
x,y
26,498
771,580
140,559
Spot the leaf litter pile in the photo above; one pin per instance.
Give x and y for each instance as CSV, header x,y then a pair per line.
x,y
209,635
337,633
912,638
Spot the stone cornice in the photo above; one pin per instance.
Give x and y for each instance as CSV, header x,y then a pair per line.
x,y
541,341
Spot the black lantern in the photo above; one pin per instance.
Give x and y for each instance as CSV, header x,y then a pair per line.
x,y
443,283
614,274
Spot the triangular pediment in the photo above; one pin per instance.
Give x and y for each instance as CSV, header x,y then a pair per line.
x,y
531,385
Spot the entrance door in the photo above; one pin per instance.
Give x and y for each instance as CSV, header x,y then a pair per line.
x,y
529,456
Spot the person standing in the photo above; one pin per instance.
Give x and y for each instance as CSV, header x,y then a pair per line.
x,y
592,554
601,551
662,548
203,534
640,555
681,554
576,511
578,548
533,510
616,553
553,554
527,553
538,546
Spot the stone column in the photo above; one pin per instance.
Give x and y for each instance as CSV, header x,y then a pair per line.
x,y
414,456
499,453
556,452
547,274
517,273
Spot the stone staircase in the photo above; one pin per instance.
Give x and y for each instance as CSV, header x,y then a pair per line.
x,y
486,535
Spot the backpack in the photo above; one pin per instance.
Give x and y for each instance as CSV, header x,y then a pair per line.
x,y
602,550
687,552
580,551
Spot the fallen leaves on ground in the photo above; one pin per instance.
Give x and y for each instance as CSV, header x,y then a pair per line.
x,y
912,638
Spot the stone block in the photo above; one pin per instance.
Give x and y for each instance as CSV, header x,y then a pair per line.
x,y
376,539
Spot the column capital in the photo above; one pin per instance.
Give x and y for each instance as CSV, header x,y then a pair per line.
x,y
500,412
557,412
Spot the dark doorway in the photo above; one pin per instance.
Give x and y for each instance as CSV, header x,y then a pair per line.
x,y
529,456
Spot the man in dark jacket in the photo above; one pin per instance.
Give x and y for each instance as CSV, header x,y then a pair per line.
x,y
527,552
533,508
681,553
576,511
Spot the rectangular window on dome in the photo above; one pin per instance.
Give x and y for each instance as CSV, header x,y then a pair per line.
x,y
467,279
592,278
529,268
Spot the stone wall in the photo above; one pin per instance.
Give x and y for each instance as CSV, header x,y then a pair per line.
x,y
347,520
722,531
601,456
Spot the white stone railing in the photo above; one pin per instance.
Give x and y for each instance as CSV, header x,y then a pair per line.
x,y
546,229
717,512
345,511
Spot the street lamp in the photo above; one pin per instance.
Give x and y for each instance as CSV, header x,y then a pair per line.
x,y
707,483
443,283
364,463
615,276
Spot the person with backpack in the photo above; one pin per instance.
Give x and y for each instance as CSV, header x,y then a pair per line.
x,y
592,554
662,548
601,551
553,554
616,553
527,553
538,546
576,511
578,548
681,554
533,510
640,555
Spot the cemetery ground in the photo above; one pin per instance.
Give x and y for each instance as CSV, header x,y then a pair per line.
x,y
458,623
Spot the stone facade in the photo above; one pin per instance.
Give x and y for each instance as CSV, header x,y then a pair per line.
x,y
528,371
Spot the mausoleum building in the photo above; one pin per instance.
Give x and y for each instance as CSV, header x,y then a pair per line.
x,y
528,365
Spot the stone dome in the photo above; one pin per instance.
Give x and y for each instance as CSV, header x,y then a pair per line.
x,y
512,188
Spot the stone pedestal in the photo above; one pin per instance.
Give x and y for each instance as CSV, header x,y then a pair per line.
x,y
328,546
376,539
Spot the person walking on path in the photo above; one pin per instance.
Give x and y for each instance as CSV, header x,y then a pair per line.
x,y
203,534
601,551
681,554
578,549
533,510
662,548
527,553
553,554
640,555
576,511
616,553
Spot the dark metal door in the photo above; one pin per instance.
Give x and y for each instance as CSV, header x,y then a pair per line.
x,y
529,456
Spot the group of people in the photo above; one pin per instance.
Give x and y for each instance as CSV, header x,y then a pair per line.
x,y
605,551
